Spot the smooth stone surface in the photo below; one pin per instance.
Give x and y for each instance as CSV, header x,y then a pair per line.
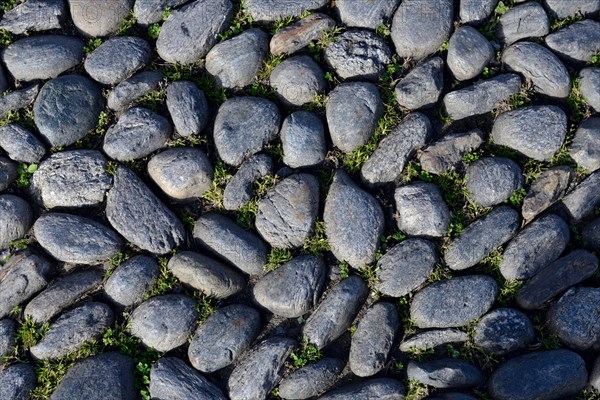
x,y
584,199
589,86
504,330
311,380
547,189
298,80
130,89
476,12
557,277
72,329
433,338
548,375
187,107
354,221
447,154
536,246
20,144
137,214
591,235
104,376
421,210
527,20
378,388
240,188
205,274
298,35
576,43
540,66
172,378
62,294
395,150
405,267
8,173
420,27
16,218
575,318
595,375
260,370
34,16
303,140
7,337
365,13
520,130
226,239
224,337
481,238
273,10
182,173
422,86
563,9
130,281
75,239
192,30
17,382
293,289
117,59
445,373
585,148
17,99
491,180
243,126
42,57
353,110
73,179
164,322
99,17
151,11
67,108
335,313
468,53
454,302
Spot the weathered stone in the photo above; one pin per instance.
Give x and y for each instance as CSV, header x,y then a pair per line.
x,y
34,16
130,281
476,12
433,339
130,89
188,107
378,388
447,154
589,86
7,337
422,86
300,34
491,180
151,11
8,173
584,199
99,17
577,42
298,80
15,219
365,13
20,144
563,9
117,59
172,378
273,10
527,20
585,148
18,99
468,53
445,373
240,188
311,380
17,382
591,235
421,210
303,140
504,330
546,190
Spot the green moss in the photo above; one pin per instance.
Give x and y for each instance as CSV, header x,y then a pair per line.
x,y
92,45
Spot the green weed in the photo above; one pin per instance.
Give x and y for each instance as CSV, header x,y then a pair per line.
x,y
308,352
415,390
127,24
276,258
25,172
92,45
317,243
490,27
594,59
556,24
6,38
206,305
111,167
154,30
580,110
369,274
471,157
166,280
240,22
154,99
517,197
7,5
344,269
221,177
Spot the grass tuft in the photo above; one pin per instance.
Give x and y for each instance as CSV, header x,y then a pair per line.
x,y
221,177
308,352
166,280
25,172
276,258
317,243
127,24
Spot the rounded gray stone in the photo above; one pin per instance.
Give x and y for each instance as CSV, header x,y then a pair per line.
x,y
454,302
273,10
132,88
504,330
583,199
224,337
187,107
365,13
16,218
164,322
17,381
445,373
421,210
298,35
576,43
491,180
476,12
585,148
422,86
20,144
117,59
546,190
74,239
99,17
240,188
468,53
354,221
67,108
17,99
298,80
34,16
591,235
130,281
378,388
447,154
311,380
589,86
151,11
433,339
172,378
303,140
575,318
563,9
8,173
7,337
243,126
353,110
527,20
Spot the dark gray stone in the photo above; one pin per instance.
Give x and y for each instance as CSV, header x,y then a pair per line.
x,y
164,322
420,27
576,43
591,235
293,289
273,10
378,388
536,246
482,97
585,148
20,144
543,375
243,126
62,294
130,281
468,53
188,107
75,239
584,199
182,173
491,180
42,57
17,382
422,86
365,13
67,108
575,318
240,188
445,373
354,221
8,330
335,313
481,238
76,178
8,173
298,80
72,330
296,36
235,62
433,339
447,154
130,89
229,241
137,214
358,54
421,210
18,99
224,337
454,302
589,86
172,378
405,267
3,81
372,341
151,11
192,30
311,380
520,130
504,330
540,66
546,190
34,16
527,20
205,274
104,376
563,9
260,370
303,140
21,277
557,277
353,110
15,219
476,12
286,215
391,155
117,59
99,17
